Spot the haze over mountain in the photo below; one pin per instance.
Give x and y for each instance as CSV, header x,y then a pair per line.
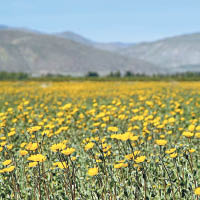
x,y
3,27
35,53
179,53
111,46
68,53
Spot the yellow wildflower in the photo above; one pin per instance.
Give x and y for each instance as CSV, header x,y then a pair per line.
x,y
161,142
140,159
192,150
37,158
58,147
197,191
89,146
113,129
173,155
68,151
170,151
188,134
93,171
32,164
120,165
6,162
23,152
9,169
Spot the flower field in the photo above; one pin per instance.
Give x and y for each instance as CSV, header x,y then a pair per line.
x,y
100,140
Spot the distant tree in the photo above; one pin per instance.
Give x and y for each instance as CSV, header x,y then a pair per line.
x,y
118,74
128,74
115,74
13,75
92,74
22,76
48,75
111,74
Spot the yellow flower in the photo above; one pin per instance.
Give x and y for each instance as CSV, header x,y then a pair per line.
x,y
140,159
113,129
37,158
171,120
73,158
173,155
68,151
23,152
9,169
23,144
191,128
61,165
3,143
31,146
6,162
89,146
10,146
197,135
188,134
170,151
192,150
129,156
120,165
3,138
197,191
11,133
93,171
136,153
32,164
134,138
57,147
161,142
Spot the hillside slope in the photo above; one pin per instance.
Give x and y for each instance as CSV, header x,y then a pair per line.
x,y
38,54
110,46
168,53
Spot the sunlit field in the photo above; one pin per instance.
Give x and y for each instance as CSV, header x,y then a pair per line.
x,y
100,140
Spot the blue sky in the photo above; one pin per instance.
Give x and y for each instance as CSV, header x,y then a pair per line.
x,y
105,20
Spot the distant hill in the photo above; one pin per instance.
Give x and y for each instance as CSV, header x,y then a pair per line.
x,y
3,27
169,53
37,54
111,46
74,37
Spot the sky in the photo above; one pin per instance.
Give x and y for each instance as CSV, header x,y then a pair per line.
x,y
105,20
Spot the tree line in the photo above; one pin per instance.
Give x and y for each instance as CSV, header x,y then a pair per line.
x,y
128,76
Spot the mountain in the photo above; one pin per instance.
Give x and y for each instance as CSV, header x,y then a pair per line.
x,y
169,53
185,68
3,27
74,37
37,54
111,46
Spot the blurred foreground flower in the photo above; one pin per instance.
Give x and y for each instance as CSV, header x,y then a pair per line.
x,y
93,171
197,191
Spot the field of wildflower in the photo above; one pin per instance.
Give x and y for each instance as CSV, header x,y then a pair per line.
x,y
99,140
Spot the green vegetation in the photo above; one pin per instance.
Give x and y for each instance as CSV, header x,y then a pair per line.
x,y
13,76
99,140
94,76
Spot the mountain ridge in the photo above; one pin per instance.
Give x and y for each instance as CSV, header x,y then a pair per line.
x,y
169,55
171,52
39,54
